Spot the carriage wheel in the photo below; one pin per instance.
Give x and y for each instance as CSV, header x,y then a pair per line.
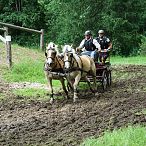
x,y
104,80
109,78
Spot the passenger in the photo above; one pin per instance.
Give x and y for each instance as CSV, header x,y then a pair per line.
x,y
105,44
89,46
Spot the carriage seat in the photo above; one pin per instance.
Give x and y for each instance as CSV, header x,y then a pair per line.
x,y
104,57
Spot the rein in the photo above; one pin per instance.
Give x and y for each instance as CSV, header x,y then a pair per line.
x,y
54,69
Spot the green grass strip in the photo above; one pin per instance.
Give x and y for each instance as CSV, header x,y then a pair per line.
x,y
131,136
137,60
26,70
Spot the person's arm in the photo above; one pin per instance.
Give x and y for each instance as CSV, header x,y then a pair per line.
x,y
97,45
109,45
81,46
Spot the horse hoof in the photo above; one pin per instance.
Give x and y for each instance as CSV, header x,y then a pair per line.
x,y
75,100
51,101
67,97
96,94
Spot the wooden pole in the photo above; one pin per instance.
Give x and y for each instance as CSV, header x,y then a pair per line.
x,y
42,39
26,29
2,29
8,48
19,27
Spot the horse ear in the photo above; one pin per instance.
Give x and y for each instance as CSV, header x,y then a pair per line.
x,y
45,54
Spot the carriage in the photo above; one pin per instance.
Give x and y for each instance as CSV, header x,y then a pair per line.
x,y
75,68
103,74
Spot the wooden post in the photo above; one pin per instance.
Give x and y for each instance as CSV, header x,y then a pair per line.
x,y
42,39
28,30
8,47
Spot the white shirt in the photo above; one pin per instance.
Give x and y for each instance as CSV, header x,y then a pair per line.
x,y
97,45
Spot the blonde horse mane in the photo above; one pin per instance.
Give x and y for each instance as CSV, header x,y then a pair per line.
x,y
52,46
68,48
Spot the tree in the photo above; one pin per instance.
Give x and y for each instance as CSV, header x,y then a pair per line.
x,y
23,13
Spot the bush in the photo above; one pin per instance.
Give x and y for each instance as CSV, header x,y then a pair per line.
x,y
143,45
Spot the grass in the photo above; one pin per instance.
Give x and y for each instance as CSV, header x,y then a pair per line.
x,y
135,60
31,94
28,65
26,70
130,136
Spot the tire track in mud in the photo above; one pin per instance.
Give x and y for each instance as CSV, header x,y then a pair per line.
x,y
68,124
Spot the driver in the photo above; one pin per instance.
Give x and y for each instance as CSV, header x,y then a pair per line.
x,y
89,46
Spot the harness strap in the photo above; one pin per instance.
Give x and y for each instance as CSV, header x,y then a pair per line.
x,y
75,69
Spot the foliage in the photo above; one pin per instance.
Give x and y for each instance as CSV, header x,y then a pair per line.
x,y
130,136
143,45
66,21
23,13
31,94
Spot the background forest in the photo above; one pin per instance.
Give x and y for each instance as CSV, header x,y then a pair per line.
x,y
65,21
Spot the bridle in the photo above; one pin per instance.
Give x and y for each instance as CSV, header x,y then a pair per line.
x,y
53,62
72,66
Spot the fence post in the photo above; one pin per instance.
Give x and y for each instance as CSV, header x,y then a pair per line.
x,y
42,40
8,47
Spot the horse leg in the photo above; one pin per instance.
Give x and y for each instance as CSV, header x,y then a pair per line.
x,y
69,86
64,88
77,79
89,84
94,83
50,90
94,78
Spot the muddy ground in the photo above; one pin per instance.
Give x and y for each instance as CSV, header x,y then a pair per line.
x,y
66,123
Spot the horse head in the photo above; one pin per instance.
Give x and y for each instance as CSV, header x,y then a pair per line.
x,y
51,52
68,52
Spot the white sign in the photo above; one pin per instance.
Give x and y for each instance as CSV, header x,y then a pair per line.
x,y
8,38
3,39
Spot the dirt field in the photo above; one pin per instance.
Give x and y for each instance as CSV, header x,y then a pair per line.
x,y
68,124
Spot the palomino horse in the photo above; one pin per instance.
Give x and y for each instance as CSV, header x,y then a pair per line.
x,y
77,67
53,64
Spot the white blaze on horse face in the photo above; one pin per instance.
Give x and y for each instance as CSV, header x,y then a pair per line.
x,y
67,63
49,61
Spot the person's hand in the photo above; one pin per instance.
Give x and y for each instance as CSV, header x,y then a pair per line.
x,y
108,49
78,49
99,50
